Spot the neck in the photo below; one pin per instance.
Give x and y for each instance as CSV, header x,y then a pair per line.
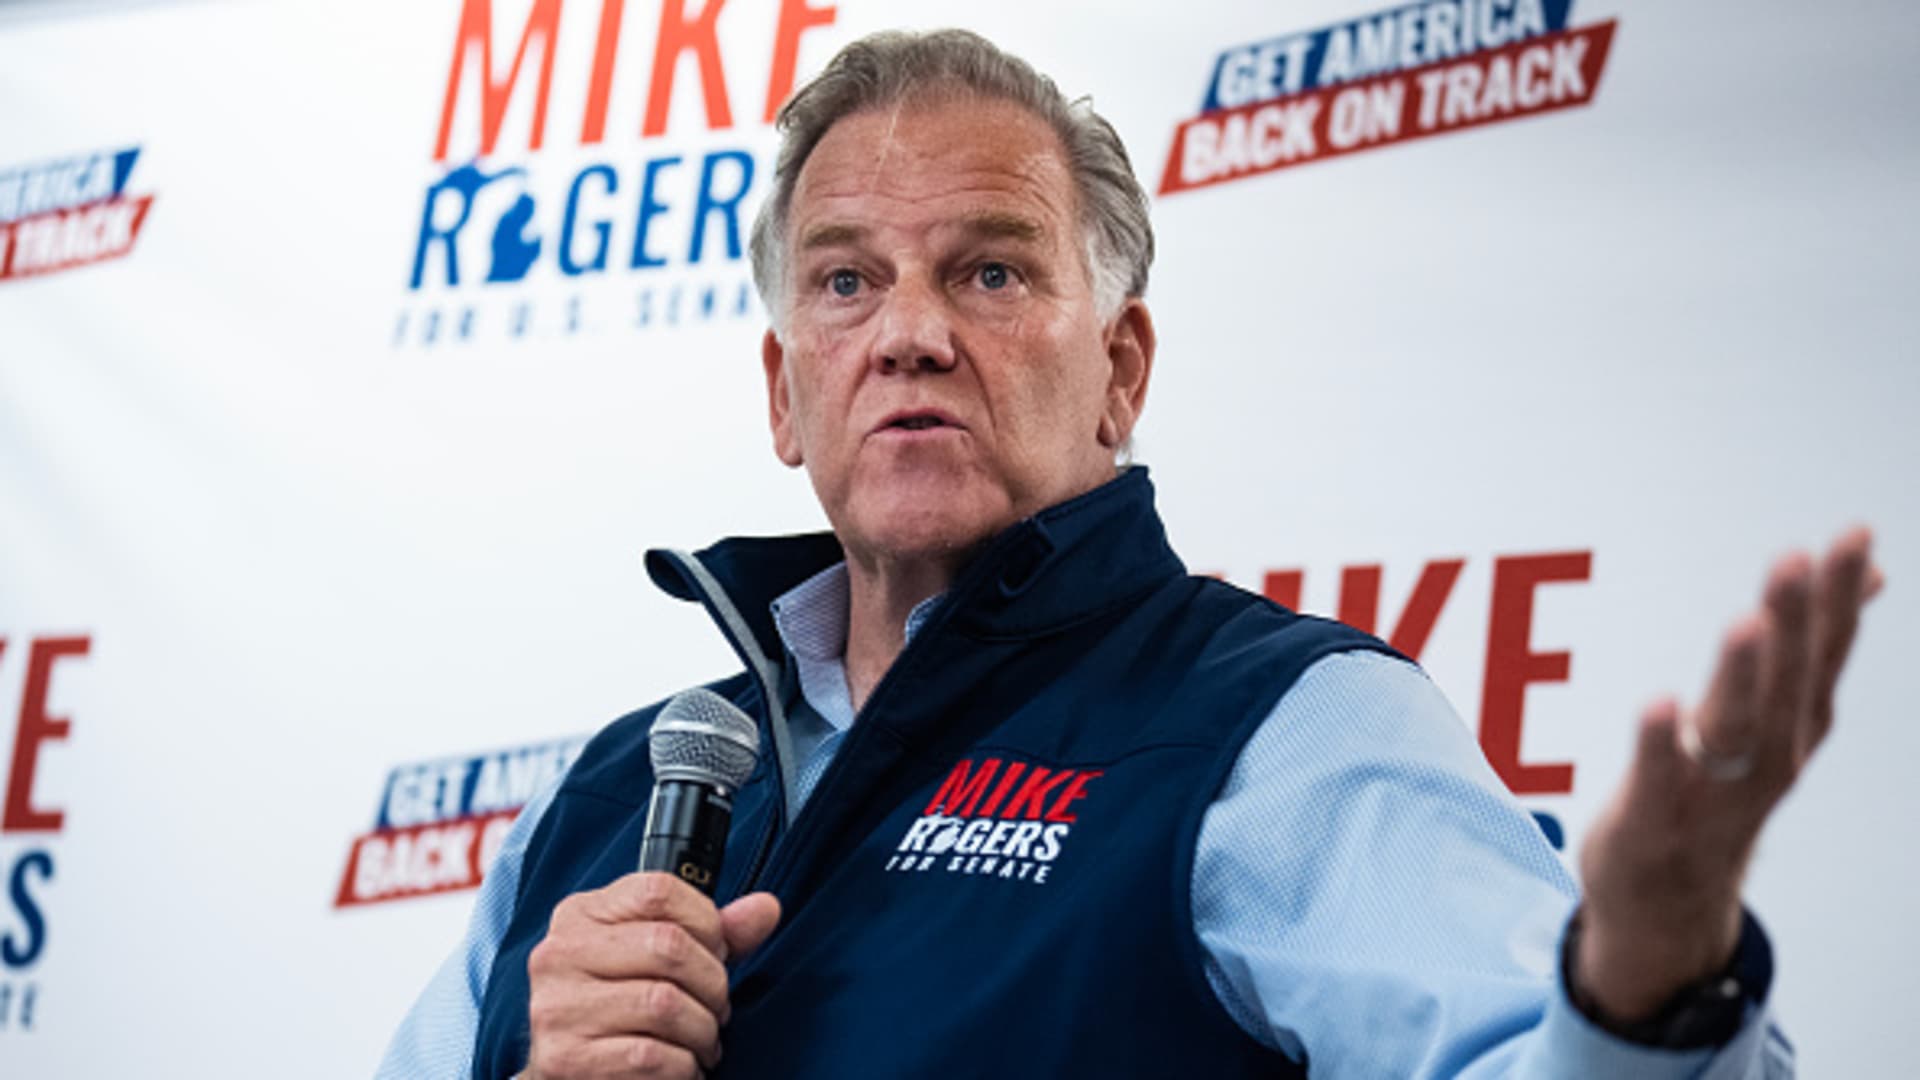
x,y
881,593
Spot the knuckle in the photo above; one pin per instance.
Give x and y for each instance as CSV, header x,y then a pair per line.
x,y
566,911
543,1015
554,955
650,1057
547,1059
544,958
659,1002
654,894
667,944
555,1011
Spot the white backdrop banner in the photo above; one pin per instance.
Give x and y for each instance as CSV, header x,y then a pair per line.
x,y
352,352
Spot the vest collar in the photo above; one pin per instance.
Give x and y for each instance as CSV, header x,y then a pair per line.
x,y
1066,564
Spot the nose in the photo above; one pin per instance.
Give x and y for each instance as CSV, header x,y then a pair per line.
x,y
916,330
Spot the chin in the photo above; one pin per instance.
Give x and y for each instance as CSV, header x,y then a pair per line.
x,y
927,521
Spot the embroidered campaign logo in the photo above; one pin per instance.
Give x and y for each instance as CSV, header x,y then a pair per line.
x,y
60,215
442,822
1406,73
633,215
1002,819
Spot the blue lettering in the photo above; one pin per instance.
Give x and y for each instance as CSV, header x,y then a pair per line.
x,y
728,207
649,207
603,229
1408,33
1556,836
22,954
429,234
464,183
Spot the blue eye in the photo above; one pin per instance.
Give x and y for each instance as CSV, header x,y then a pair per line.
x,y
995,275
844,282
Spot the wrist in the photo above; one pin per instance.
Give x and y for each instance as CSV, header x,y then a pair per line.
x,y
1705,1012
1628,974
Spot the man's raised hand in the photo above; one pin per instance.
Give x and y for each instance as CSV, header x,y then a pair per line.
x,y
1663,864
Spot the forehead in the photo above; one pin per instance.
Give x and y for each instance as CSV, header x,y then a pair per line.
x,y
920,166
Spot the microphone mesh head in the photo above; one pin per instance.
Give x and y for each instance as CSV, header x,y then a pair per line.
x,y
703,737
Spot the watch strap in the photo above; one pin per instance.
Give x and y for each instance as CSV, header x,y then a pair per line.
x,y
1706,1013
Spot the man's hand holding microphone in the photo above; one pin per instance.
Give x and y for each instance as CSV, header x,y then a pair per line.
x,y
631,979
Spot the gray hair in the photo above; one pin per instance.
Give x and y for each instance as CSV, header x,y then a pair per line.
x,y
895,67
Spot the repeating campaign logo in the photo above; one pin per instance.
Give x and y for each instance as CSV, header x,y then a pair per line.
x,y
59,215
1014,829
1406,73
631,212
30,824
441,822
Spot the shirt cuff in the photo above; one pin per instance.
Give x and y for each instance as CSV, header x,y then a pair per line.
x,y
1573,1045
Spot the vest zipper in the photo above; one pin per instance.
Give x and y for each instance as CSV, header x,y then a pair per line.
x,y
800,830
733,627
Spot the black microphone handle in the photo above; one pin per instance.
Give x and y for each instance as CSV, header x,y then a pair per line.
x,y
687,832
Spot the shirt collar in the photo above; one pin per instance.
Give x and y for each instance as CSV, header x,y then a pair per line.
x,y
811,619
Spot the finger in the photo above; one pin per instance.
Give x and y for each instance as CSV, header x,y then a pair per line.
x,y
1786,686
1728,722
749,921
1844,578
596,1009
656,897
657,1009
627,951
1876,581
652,951
1658,763
625,1057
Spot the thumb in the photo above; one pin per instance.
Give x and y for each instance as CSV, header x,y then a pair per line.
x,y
747,922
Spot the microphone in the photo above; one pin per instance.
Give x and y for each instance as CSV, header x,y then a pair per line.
x,y
703,748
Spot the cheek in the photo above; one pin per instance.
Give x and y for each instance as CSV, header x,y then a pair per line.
x,y
1071,390
818,391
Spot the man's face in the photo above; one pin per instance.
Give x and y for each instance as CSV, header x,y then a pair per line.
x,y
943,371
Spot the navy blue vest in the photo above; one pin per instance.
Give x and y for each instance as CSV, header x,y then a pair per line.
x,y
992,878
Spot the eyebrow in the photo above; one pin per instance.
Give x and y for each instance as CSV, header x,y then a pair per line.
x,y
827,236
987,226
1001,226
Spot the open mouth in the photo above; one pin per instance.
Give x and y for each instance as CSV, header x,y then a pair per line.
x,y
918,423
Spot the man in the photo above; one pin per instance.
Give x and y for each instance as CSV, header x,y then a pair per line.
x,y
1035,802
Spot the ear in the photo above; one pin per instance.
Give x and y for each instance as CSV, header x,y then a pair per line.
x,y
786,442
1130,345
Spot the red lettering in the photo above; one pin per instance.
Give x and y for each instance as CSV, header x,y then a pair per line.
x,y
1360,597
796,17
36,728
593,127
677,35
1283,588
1014,769
1360,600
1360,603
1074,793
420,860
1430,594
476,29
1512,665
960,792
1032,797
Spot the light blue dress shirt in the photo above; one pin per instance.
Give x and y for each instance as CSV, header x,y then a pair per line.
x,y
1370,897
